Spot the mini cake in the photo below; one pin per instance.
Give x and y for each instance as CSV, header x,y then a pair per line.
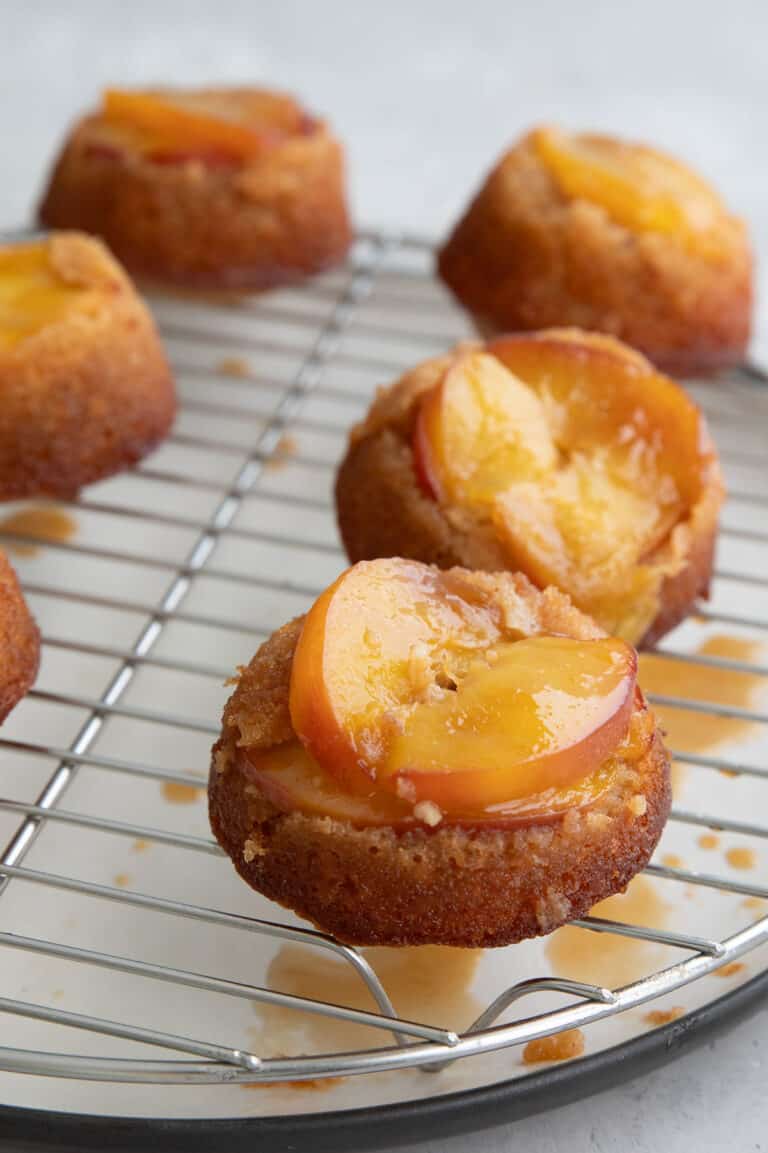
x,y
19,641
590,231
436,757
561,454
222,188
85,386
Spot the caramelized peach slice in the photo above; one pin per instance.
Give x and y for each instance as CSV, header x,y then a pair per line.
x,y
582,456
293,782
386,634
602,397
480,429
640,188
172,124
541,715
404,676
32,294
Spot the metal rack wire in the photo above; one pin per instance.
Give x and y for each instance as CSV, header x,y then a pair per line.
x,y
212,507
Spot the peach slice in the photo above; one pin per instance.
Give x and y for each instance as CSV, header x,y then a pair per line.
x,y
480,429
172,125
640,188
542,715
601,396
32,295
406,677
293,782
386,634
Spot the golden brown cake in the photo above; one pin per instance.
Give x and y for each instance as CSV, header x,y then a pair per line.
x,y
561,454
19,641
587,230
85,387
438,758
235,188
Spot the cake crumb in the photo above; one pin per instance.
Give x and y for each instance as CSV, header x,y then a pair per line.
x,y
560,1047
252,849
406,789
428,812
638,805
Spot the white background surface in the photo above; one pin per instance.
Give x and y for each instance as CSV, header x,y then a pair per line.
x,y
426,94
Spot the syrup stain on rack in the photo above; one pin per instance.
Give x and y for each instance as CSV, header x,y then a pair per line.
x,y
731,970
236,366
428,983
694,732
708,841
658,1017
285,448
45,523
741,858
559,1047
606,958
179,794
313,1084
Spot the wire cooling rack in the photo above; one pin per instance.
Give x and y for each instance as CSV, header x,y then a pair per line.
x,y
120,914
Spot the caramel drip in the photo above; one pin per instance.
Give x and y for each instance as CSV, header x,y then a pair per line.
x,y
44,523
430,983
179,794
695,732
605,958
560,1047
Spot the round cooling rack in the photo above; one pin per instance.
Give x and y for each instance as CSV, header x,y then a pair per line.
x,y
132,955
